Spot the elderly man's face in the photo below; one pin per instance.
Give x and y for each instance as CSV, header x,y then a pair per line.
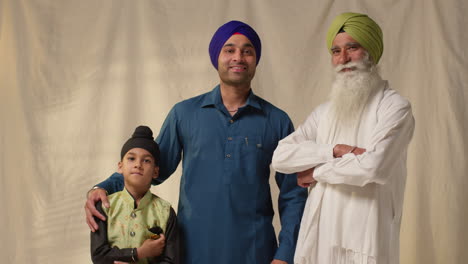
x,y
237,61
345,49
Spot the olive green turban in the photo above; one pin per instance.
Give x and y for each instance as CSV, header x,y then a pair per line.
x,y
361,28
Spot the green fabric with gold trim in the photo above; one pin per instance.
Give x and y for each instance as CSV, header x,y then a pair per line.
x,y
127,227
361,28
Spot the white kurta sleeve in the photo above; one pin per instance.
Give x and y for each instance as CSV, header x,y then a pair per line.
x,y
384,154
299,151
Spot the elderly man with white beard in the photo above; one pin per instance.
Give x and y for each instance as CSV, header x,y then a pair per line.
x,y
351,152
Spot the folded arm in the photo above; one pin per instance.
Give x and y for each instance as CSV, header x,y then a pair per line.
x,y
387,146
299,151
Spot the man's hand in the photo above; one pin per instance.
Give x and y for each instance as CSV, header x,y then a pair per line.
x,y
152,248
306,178
341,149
90,207
277,261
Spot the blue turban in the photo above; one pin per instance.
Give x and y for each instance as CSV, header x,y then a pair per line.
x,y
225,32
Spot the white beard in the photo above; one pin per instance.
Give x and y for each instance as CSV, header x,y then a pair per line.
x,y
352,90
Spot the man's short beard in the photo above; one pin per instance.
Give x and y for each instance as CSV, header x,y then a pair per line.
x,y
351,90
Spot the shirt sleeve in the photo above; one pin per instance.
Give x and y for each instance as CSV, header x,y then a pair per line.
x,y
101,251
299,151
114,183
291,203
387,147
171,254
170,145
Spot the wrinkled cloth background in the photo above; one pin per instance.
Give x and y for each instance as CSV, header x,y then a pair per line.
x,y
76,78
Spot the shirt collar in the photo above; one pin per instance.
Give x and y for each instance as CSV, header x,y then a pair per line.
x,y
213,98
145,200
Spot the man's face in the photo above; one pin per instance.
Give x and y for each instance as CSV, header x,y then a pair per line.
x,y
237,61
138,167
345,49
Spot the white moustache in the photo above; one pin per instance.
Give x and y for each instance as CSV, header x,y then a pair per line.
x,y
355,65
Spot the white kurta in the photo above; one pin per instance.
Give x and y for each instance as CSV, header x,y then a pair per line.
x,y
353,213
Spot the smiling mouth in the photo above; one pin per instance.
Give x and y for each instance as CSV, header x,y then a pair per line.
x,y
238,68
348,69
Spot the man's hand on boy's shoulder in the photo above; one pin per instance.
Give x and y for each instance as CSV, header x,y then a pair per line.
x,y
93,196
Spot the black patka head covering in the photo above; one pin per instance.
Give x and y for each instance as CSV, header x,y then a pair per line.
x,y
142,138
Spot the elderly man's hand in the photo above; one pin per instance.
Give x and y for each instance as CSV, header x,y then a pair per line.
x,y
90,207
341,149
277,261
306,178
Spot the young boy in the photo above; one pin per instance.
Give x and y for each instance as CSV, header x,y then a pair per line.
x,y
125,235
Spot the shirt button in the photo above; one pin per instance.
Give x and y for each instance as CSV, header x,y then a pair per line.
x,y
229,138
231,121
132,234
228,155
133,215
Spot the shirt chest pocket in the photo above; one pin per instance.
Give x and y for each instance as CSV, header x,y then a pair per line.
x,y
241,159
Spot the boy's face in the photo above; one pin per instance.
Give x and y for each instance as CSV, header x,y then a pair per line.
x,y
138,168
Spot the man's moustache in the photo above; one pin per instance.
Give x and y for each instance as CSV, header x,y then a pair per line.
x,y
349,65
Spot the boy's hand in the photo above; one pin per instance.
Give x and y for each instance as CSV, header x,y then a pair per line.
x,y
152,248
90,207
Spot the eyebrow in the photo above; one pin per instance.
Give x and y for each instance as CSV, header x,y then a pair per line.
x,y
244,46
348,44
144,156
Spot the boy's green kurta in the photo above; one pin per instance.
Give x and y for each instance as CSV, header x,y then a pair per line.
x,y
225,208
127,226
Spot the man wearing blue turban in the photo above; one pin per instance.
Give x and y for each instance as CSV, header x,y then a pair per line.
x,y
225,139
351,152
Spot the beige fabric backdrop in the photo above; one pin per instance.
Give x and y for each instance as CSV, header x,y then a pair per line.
x,y
76,77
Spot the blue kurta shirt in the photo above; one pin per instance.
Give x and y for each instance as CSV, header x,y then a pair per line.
x,y
225,209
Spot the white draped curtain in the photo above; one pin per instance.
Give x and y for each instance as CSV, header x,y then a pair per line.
x,y
76,78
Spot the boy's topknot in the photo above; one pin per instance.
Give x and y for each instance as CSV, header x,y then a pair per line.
x,y
142,138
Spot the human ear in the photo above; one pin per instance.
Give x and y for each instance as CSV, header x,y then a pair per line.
x,y
156,172
119,167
